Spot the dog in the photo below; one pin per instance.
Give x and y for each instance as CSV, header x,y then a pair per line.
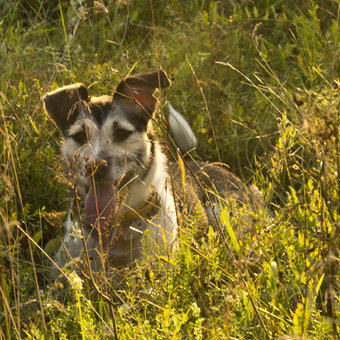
x,y
126,191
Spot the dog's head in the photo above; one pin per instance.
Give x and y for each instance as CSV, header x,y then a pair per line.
x,y
107,140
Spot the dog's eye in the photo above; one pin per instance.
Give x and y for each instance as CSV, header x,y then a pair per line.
x,y
121,134
79,137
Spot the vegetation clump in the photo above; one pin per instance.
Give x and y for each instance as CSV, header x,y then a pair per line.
x,y
259,83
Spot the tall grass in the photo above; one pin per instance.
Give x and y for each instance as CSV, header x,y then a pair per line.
x,y
259,83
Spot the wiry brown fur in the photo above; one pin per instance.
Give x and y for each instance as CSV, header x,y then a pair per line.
x,y
212,186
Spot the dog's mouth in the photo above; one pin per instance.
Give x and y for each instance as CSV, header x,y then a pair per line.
x,y
100,203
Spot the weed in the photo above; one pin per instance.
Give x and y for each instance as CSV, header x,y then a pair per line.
x,y
259,83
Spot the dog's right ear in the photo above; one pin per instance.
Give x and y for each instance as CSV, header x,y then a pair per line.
x,y
60,104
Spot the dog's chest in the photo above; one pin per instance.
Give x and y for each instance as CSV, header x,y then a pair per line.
x,y
121,243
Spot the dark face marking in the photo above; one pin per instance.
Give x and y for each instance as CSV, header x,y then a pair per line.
x,y
120,133
79,137
100,111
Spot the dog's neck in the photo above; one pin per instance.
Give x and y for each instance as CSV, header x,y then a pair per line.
x,y
155,180
154,192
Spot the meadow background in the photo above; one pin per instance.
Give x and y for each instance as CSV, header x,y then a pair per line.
x,y
258,80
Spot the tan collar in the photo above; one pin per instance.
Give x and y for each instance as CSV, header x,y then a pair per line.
x,y
128,213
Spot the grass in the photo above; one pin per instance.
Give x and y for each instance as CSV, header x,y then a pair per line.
x,y
259,83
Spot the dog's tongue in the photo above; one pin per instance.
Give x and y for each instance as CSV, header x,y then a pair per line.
x,y
100,202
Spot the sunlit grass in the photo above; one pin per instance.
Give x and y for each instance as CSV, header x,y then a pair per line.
x,y
260,86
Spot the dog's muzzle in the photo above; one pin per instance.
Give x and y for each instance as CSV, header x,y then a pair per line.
x,y
97,169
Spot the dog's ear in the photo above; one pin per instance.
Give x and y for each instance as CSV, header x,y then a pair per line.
x,y
60,104
138,90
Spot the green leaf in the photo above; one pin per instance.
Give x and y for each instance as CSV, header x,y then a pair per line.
x,y
226,222
37,236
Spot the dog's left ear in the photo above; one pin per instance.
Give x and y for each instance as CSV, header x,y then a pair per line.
x,y
138,90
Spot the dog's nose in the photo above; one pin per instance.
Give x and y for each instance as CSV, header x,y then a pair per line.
x,y
97,168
